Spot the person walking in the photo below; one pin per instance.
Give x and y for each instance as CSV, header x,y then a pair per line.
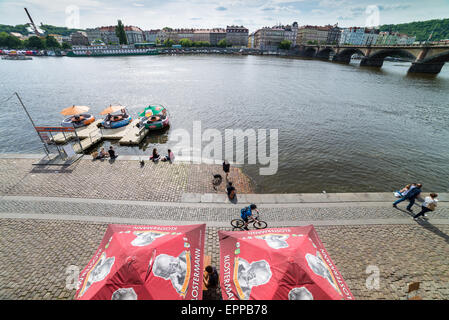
x,y
428,205
226,167
410,196
230,190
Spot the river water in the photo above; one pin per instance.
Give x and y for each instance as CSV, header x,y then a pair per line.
x,y
341,128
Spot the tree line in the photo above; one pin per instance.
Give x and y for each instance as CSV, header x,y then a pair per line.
x,y
49,29
439,28
37,43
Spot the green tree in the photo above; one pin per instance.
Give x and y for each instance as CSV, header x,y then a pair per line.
x,y
36,43
120,33
3,39
222,43
285,44
187,43
51,42
66,46
168,42
201,44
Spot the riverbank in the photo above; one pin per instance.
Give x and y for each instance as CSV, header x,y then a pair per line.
x,y
53,218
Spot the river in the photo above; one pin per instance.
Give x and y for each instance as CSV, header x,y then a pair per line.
x,y
342,128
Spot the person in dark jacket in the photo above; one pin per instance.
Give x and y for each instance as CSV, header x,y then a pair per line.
x,y
112,153
211,277
226,167
410,196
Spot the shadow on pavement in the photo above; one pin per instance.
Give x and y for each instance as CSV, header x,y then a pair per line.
x,y
423,222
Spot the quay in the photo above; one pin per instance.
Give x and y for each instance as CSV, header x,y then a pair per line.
x,y
91,135
52,218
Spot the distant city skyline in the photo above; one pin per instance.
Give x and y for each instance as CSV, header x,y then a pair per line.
x,y
253,14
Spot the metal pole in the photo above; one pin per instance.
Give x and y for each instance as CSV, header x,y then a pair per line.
x,y
32,122
77,138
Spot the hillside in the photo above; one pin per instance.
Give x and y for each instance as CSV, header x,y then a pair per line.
x,y
422,29
49,29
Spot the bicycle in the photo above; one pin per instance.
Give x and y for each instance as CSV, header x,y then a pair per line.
x,y
238,224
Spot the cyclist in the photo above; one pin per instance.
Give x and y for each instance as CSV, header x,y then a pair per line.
x,y
246,214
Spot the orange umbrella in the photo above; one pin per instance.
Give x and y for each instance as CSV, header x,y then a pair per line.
x,y
74,110
111,109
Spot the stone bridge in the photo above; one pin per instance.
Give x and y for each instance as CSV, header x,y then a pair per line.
x,y
428,59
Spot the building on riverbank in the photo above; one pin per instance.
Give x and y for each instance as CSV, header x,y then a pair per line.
x,y
237,36
134,34
268,38
79,38
105,34
315,34
394,38
216,35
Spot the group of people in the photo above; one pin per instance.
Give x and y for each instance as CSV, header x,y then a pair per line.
x,y
123,115
103,154
156,156
230,189
411,192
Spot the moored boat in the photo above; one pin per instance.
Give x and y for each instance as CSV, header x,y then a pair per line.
x,y
113,121
78,116
154,117
77,121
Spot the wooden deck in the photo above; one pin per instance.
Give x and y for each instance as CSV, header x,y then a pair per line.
x,y
134,135
91,135
83,133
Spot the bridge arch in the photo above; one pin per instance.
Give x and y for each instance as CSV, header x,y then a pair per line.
x,y
325,53
346,54
310,52
377,59
439,58
431,65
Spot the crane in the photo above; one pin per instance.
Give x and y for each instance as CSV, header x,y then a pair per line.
x,y
32,24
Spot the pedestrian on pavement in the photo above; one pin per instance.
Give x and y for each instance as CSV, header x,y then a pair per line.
x,y
401,193
112,154
226,167
428,205
411,196
230,190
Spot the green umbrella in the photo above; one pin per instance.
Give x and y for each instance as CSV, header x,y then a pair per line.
x,y
152,111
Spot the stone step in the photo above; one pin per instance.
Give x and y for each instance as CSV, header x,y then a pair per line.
x,y
297,198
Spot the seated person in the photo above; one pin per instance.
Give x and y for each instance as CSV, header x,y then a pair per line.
x,y
108,117
169,157
103,154
210,278
112,153
156,156
124,114
230,190
76,119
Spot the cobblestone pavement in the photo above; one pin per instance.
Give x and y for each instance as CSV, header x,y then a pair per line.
x,y
118,180
204,212
34,255
51,219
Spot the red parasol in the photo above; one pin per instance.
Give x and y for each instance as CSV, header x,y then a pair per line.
x,y
146,263
278,264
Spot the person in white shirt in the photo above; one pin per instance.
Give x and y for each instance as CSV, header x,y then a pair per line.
x,y
429,204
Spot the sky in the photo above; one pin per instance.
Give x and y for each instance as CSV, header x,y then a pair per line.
x,y
253,14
